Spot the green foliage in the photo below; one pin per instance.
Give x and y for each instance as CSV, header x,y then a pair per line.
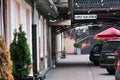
x,y
77,44
20,54
100,41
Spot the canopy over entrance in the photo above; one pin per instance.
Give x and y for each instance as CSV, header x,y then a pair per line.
x,y
108,34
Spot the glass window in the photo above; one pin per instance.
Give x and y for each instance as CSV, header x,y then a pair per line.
x,y
111,45
96,48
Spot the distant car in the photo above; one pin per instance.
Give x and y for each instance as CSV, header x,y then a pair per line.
x,y
117,56
117,64
95,54
107,57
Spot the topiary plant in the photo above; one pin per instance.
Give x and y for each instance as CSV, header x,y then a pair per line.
x,y
20,54
100,41
77,44
6,65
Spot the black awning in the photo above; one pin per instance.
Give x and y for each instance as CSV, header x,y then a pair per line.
x,y
47,8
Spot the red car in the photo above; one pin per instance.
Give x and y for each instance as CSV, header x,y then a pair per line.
x,y
117,64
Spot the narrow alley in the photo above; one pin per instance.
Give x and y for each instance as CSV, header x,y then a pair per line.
x,y
78,67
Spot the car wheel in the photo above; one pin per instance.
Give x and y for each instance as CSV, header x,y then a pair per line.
x,y
110,70
90,58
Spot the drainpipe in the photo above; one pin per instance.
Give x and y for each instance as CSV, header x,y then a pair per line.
x,y
34,42
2,18
53,48
72,12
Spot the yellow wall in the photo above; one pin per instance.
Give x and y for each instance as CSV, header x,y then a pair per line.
x,y
69,48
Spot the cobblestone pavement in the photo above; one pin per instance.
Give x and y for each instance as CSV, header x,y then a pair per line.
x,y
78,67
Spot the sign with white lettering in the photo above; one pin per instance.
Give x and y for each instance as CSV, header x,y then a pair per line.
x,y
85,17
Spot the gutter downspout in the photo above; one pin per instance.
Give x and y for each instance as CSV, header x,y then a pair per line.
x,y
72,12
2,24
34,42
53,48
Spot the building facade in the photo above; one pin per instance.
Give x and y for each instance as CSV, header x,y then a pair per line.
x,y
14,13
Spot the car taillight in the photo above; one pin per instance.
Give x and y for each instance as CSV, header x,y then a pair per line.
x,y
118,65
116,53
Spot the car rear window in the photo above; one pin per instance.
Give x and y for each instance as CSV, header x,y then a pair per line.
x,y
111,45
95,48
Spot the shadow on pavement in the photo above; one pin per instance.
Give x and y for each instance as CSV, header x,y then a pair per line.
x,y
73,64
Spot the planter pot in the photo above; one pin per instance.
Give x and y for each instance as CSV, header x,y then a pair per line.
x,y
25,78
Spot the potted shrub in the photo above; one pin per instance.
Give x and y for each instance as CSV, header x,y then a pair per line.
x,y
20,55
6,65
77,44
100,41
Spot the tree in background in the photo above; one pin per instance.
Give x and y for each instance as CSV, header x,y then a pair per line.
x,y
6,65
20,54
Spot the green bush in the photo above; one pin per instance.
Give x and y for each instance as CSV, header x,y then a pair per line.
x,y
20,54
100,41
77,44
